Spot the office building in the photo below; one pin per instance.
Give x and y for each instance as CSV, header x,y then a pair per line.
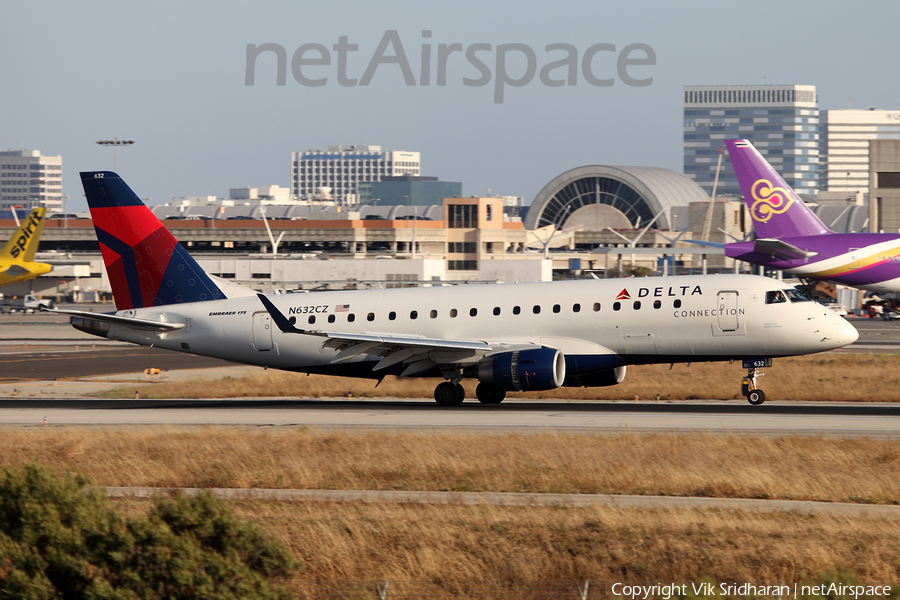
x,y
342,168
407,189
844,146
782,121
28,179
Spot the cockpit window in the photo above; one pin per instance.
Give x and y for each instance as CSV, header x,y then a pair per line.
x,y
775,297
796,295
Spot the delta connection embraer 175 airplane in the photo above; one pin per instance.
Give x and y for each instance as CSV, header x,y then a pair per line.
x,y
17,256
531,336
794,240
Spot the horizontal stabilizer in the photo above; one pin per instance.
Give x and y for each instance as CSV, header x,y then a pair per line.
x,y
780,249
709,244
17,271
132,322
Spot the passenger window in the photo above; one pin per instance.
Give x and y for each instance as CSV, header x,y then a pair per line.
x,y
331,318
293,320
311,319
775,297
677,303
453,313
537,309
516,310
496,311
434,314
617,305
596,307
413,314
556,308
637,305
473,312
576,308
392,315
657,304
351,317
370,317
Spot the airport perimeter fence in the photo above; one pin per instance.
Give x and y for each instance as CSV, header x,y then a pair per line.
x,y
412,590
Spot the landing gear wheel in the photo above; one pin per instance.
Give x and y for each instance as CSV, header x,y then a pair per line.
x,y
449,393
489,394
756,397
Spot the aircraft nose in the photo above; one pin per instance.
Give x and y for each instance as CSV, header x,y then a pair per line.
x,y
847,333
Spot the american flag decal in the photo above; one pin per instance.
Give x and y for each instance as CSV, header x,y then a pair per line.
x,y
341,308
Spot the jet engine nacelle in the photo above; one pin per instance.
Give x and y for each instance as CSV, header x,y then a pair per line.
x,y
524,370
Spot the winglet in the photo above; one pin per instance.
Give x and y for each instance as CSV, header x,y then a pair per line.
x,y
280,320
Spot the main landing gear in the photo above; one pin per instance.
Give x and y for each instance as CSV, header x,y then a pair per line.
x,y
451,393
755,396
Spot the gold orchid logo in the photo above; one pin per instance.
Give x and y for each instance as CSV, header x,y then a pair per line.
x,y
768,200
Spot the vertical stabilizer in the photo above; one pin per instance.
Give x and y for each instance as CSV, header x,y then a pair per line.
x,y
24,242
775,208
145,263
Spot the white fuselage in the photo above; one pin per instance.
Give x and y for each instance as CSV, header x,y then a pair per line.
x,y
666,319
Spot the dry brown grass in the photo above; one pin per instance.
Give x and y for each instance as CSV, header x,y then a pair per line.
x,y
842,470
459,550
832,376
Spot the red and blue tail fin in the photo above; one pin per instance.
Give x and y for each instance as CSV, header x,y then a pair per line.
x,y
145,263
776,209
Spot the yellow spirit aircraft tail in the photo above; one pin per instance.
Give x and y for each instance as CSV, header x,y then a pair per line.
x,y
24,242
17,256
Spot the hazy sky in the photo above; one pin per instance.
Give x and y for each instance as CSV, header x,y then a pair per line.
x,y
171,76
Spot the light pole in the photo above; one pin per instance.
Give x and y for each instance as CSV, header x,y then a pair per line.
x,y
415,215
115,143
65,214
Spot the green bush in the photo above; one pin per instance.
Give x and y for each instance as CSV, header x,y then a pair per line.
x,y
60,538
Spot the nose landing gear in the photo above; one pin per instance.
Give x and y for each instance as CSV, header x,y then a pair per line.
x,y
755,396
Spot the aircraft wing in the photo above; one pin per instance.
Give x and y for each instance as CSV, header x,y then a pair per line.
x,y
421,353
780,249
132,322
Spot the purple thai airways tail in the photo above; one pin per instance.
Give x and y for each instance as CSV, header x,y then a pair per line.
x,y
777,211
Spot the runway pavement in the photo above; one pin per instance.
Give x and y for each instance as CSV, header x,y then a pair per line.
x,y
715,417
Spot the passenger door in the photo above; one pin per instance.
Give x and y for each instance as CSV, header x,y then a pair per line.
x,y
727,310
262,331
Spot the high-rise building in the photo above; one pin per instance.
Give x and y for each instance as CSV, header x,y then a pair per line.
x,y
884,185
782,121
844,146
341,168
28,179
